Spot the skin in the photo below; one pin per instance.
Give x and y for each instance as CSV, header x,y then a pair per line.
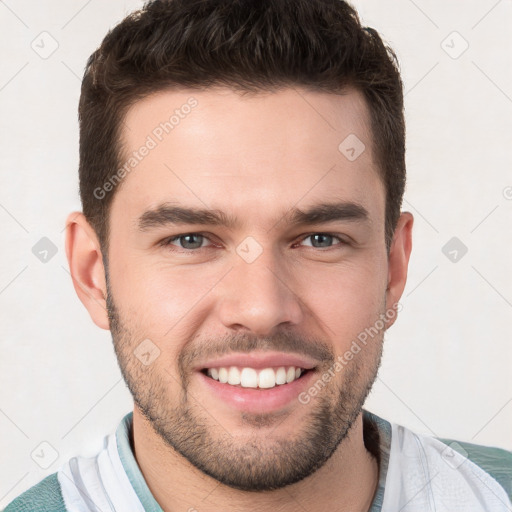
x,y
255,157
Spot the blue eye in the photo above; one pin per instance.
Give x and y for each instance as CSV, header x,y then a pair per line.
x,y
324,240
189,241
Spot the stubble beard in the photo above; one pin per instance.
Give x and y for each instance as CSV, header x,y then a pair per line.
x,y
261,459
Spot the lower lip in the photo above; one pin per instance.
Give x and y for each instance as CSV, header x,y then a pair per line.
x,y
258,400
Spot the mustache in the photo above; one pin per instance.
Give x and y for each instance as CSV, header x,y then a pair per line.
x,y
284,341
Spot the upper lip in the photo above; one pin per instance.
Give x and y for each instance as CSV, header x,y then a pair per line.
x,y
259,360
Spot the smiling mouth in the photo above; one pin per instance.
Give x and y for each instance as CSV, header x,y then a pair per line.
x,y
246,377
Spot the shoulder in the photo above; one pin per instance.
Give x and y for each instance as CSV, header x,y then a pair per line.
x,y
45,496
497,462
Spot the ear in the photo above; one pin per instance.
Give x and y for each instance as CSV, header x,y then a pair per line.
x,y
86,266
398,261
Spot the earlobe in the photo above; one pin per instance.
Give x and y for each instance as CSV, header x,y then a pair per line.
x,y
86,267
398,261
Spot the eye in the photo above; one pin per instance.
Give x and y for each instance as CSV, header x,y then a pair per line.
x,y
323,240
187,241
195,241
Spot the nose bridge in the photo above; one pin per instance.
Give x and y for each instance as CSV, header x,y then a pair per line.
x,y
257,293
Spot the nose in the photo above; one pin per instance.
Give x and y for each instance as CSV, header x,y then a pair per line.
x,y
259,296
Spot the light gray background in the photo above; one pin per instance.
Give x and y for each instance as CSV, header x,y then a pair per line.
x,y
447,361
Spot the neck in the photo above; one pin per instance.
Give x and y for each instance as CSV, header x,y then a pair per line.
x,y
346,482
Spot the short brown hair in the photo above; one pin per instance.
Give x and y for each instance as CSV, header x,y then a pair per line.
x,y
248,46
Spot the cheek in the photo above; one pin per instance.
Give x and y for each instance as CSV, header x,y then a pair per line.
x,y
347,300
165,301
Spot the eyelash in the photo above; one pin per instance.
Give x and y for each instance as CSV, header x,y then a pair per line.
x,y
168,241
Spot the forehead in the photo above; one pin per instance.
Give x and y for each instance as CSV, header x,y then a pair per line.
x,y
252,155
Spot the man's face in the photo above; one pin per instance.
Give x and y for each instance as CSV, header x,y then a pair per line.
x,y
265,291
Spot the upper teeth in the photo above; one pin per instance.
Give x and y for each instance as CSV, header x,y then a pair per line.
x,y
252,378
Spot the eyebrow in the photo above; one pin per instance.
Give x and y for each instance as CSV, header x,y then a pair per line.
x,y
167,214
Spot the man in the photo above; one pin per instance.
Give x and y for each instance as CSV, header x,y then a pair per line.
x,y
241,173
